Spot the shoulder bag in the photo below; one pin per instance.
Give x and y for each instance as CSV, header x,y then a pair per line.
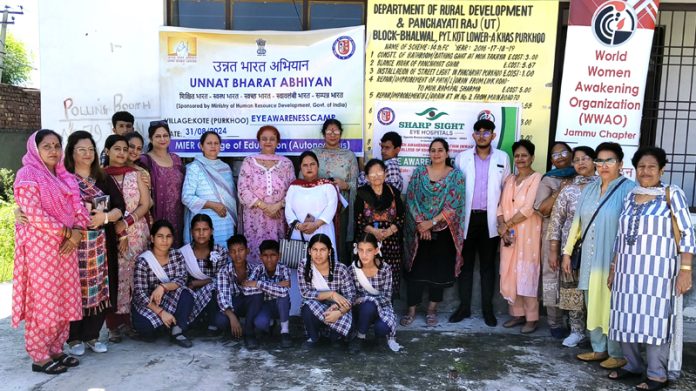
x,y
292,251
576,255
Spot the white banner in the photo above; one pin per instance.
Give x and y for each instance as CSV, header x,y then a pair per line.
x,y
419,122
606,64
234,82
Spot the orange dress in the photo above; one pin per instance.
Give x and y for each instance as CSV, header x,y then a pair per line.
x,y
520,262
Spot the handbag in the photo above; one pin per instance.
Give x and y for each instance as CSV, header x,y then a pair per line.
x,y
576,255
293,251
675,226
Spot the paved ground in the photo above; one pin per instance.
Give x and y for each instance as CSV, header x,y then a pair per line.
x,y
466,356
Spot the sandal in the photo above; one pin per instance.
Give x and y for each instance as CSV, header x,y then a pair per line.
x,y
653,385
50,368
621,373
407,319
68,361
431,319
115,336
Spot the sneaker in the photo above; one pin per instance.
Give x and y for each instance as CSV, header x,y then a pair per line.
x,y
96,346
285,340
181,340
574,339
76,349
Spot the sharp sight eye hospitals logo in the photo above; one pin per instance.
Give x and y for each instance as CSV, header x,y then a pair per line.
x,y
486,114
385,116
343,47
431,113
614,22
182,48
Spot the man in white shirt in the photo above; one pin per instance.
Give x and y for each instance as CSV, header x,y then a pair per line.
x,y
484,168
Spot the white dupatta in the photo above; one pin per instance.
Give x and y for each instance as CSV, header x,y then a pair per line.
x,y
318,280
192,263
364,282
155,266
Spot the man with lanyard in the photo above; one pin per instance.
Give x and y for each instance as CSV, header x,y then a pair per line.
x,y
484,169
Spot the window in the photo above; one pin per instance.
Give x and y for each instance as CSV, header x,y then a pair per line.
x,y
204,14
331,14
267,15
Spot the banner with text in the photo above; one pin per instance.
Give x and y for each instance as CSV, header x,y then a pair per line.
x,y
464,50
234,82
606,64
419,122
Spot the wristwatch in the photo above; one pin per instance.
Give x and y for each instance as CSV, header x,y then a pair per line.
x,y
434,222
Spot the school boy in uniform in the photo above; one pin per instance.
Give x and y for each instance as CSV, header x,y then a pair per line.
x,y
235,299
273,280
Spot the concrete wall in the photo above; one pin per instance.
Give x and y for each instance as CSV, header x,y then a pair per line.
x,y
20,115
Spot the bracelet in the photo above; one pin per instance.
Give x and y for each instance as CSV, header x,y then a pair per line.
x,y
685,267
160,312
106,218
163,287
68,232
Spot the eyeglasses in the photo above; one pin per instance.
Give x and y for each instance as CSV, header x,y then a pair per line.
x,y
485,133
605,162
376,174
582,159
162,122
84,151
333,131
558,155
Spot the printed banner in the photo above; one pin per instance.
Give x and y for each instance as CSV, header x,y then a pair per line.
x,y
419,122
234,82
606,65
463,50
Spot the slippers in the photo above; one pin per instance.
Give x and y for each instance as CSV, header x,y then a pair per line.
x,y
406,320
623,374
68,361
653,385
431,319
49,368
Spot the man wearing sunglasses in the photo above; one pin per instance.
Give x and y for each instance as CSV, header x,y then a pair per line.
x,y
484,168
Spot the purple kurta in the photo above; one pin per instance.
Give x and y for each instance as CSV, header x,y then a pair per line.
x,y
269,185
166,193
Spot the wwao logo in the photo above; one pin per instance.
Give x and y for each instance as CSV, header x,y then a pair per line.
x,y
614,22
431,113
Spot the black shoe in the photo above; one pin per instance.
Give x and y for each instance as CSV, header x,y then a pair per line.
x,y
356,345
285,340
251,343
459,315
490,320
213,332
181,340
337,344
559,332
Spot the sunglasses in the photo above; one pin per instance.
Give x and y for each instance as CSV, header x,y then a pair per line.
x,y
162,122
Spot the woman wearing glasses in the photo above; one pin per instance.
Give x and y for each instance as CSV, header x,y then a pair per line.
x,y
166,176
379,211
570,298
340,166
602,200
651,266
551,185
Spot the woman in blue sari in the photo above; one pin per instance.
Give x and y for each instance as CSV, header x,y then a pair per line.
x,y
209,189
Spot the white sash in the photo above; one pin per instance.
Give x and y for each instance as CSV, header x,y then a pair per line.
x,y
318,280
364,282
155,266
192,263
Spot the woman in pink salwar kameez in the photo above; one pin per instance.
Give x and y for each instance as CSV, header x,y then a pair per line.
x,y
263,181
46,287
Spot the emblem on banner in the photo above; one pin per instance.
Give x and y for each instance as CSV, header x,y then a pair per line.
x,y
344,47
385,116
614,22
260,47
182,49
486,114
432,113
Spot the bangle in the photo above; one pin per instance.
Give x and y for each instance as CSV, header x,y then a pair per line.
x,y
685,267
106,218
160,312
68,232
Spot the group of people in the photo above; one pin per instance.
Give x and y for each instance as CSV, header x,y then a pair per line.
x,y
181,244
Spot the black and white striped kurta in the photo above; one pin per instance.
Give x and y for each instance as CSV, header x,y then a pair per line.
x,y
645,273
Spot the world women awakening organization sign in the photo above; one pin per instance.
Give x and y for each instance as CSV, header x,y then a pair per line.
x,y
604,75
233,83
